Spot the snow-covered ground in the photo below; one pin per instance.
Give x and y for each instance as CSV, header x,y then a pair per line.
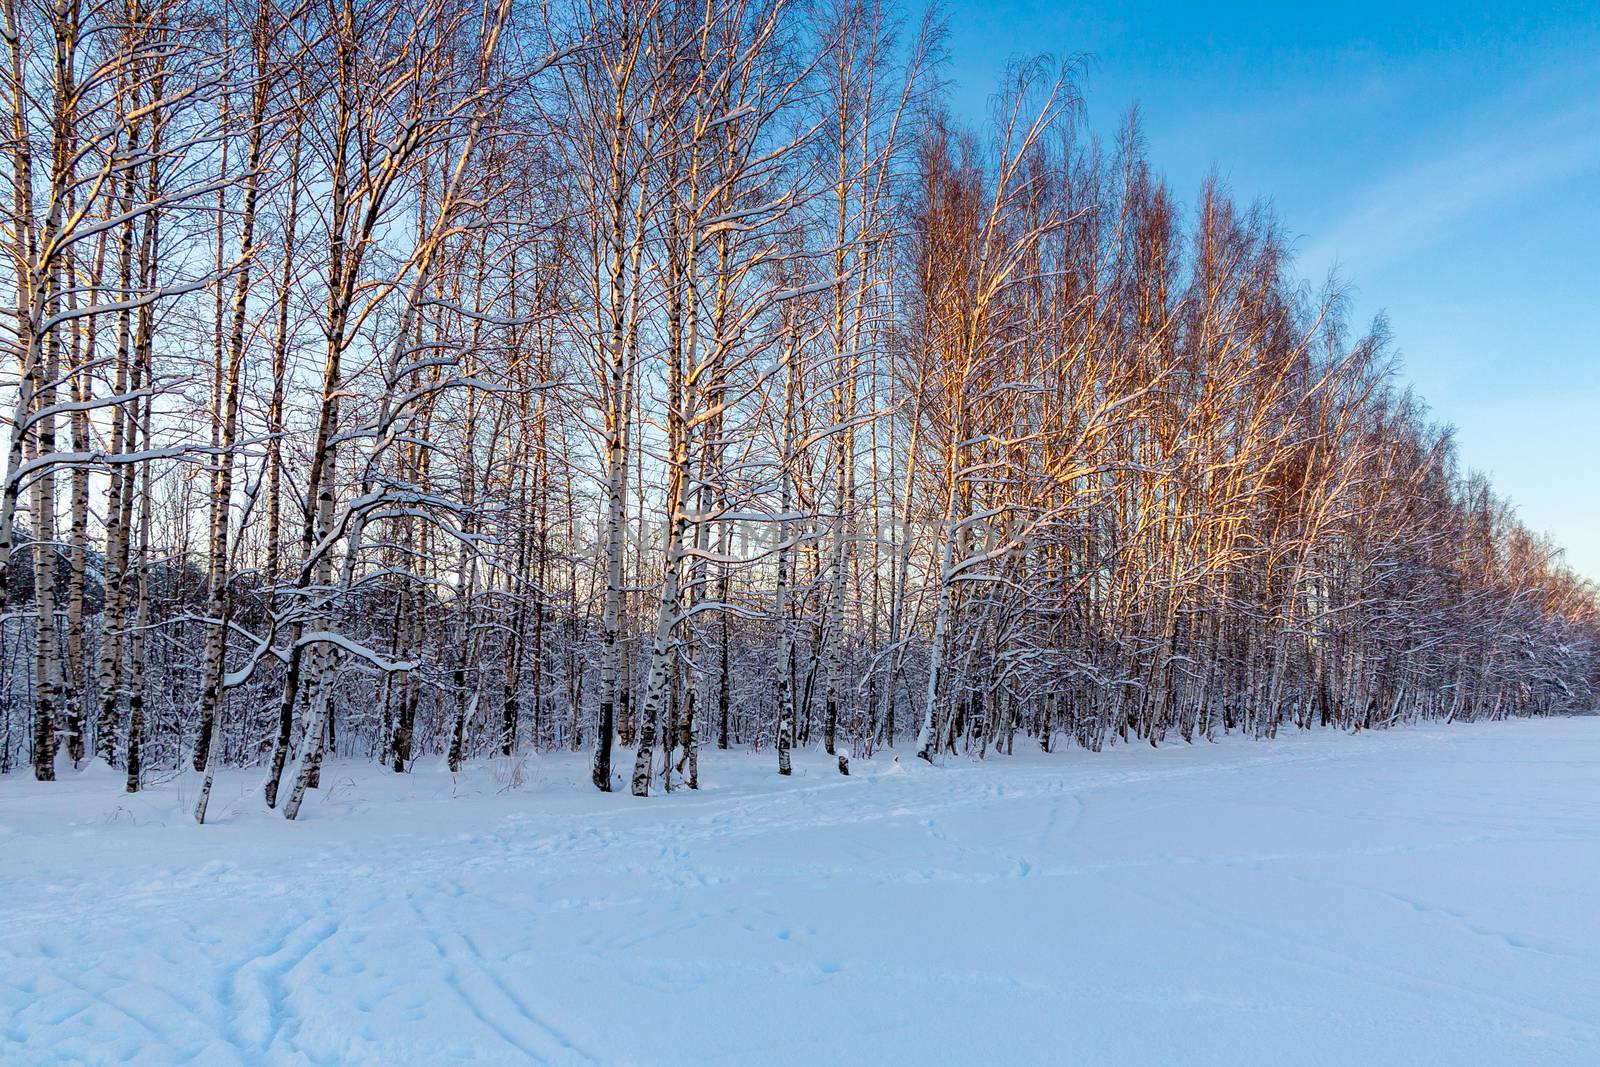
x,y
1420,896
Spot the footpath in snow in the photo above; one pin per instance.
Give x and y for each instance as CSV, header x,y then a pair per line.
x,y
1420,896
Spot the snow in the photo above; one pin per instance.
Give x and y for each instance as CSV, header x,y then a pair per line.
x,y
1417,896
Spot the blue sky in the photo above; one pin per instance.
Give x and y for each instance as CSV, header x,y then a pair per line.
x,y
1445,157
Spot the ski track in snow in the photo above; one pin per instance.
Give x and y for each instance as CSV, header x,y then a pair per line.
x,y
1425,895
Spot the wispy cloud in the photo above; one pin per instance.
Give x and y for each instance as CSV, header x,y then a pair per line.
x,y
1418,204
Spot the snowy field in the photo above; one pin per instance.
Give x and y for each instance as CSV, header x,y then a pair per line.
x,y
1420,896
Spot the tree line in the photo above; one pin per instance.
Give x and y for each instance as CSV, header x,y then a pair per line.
x,y
404,378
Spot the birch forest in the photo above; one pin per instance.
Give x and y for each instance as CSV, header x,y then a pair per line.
x,y
438,380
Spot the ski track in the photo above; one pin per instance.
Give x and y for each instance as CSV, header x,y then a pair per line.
x,y
1425,895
